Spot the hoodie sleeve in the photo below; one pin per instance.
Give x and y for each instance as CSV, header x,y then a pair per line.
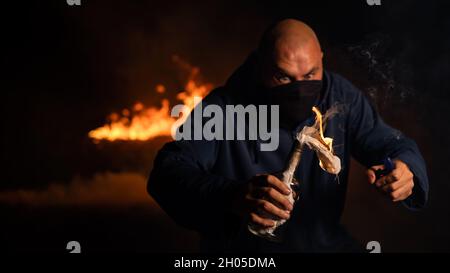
x,y
183,185
372,140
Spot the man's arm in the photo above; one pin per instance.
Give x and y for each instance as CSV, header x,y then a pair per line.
x,y
372,140
182,185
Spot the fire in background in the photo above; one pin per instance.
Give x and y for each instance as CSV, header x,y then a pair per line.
x,y
141,123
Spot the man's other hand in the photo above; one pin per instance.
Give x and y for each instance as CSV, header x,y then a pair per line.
x,y
398,184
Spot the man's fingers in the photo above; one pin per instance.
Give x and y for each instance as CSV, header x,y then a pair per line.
x,y
390,187
395,175
398,184
371,173
402,193
388,179
397,178
278,184
400,189
272,194
381,182
263,222
371,176
272,210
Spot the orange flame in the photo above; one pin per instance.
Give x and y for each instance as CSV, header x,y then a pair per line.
x,y
327,141
141,123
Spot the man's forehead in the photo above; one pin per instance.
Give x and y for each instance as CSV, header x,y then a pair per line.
x,y
295,59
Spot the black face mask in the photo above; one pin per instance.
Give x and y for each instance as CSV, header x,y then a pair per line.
x,y
296,100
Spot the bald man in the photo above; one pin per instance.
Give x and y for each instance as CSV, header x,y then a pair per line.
x,y
219,187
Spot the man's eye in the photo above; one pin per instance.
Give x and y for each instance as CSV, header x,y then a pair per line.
x,y
283,78
309,76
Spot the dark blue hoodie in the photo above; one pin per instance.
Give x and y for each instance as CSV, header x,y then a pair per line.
x,y
194,180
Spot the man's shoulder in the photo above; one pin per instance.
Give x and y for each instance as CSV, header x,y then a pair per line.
x,y
340,88
224,95
217,96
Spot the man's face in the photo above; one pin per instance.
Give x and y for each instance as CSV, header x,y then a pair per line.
x,y
290,63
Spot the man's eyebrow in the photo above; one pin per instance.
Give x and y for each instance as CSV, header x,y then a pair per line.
x,y
282,71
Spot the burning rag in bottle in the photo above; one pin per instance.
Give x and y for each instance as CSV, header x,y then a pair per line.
x,y
313,138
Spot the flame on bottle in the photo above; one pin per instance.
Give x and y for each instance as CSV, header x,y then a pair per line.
x,y
327,141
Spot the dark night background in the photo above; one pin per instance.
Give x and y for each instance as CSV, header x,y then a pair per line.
x,y
65,68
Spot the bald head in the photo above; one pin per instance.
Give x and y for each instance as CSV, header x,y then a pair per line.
x,y
289,51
